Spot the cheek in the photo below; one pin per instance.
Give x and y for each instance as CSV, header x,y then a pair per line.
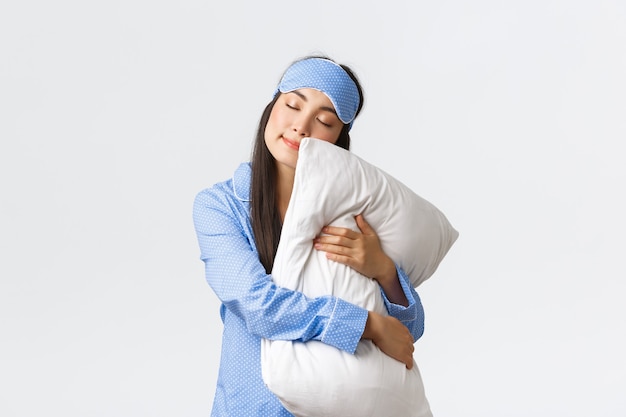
x,y
328,136
277,117
275,126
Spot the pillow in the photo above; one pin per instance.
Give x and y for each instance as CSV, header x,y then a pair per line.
x,y
332,186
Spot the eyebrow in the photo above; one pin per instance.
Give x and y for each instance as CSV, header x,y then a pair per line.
x,y
303,97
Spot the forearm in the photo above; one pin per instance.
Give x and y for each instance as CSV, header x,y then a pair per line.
x,y
392,288
389,282
410,314
278,313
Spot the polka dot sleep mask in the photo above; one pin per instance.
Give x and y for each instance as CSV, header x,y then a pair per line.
x,y
329,78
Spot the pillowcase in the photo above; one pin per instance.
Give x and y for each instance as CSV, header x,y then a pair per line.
x,y
332,185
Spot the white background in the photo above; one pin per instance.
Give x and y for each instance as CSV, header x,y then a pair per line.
x,y
509,116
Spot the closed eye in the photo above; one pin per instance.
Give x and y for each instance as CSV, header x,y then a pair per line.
x,y
325,124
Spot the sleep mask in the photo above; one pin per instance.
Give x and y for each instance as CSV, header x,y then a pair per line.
x,y
329,78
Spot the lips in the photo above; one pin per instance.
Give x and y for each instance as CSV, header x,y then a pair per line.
x,y
291,143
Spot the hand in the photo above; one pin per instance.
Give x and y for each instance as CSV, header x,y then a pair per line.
x,y
363,253
360,251
391,336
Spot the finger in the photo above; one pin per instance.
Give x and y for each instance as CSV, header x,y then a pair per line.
x,y
339,231
363,225
334,241
342,259
409,359
331,248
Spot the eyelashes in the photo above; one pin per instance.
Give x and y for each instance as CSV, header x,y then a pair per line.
x,y
325,124
297,108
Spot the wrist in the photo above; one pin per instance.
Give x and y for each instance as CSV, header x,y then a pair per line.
x,y
388,273
371,325
390,284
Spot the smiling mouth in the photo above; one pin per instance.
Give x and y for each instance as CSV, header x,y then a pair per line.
x,y
291,144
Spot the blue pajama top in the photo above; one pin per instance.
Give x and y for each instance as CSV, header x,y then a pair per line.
x,y
253,307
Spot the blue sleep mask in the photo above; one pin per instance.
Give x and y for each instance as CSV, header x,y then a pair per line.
x,y
329,78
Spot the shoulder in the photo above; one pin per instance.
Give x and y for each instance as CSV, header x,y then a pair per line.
x,y
232,192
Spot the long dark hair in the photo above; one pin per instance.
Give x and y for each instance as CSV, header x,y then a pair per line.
x,y
266,221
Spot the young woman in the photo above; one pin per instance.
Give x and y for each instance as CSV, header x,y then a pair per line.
x,y
238,224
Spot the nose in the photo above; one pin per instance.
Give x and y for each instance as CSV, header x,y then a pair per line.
x,y
301,126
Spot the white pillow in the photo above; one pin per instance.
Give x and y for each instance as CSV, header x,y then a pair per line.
x,y
332,186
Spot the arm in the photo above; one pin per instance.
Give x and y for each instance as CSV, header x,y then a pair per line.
x,y
238,278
